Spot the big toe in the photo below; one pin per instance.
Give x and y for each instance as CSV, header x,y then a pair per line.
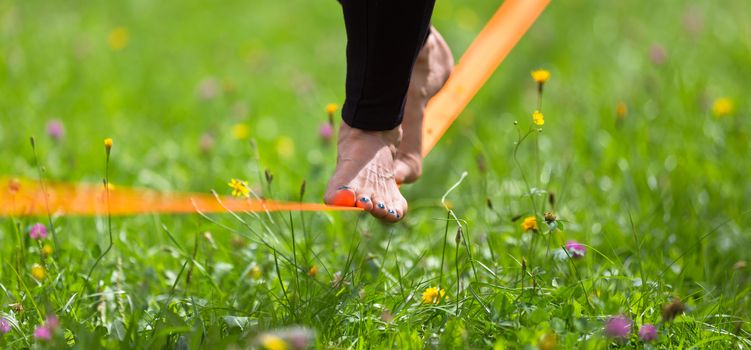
x,y
343,196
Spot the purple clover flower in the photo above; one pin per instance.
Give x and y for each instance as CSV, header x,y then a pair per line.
x,y
575,249
325,132
38,231
43,333
4,325
648,333
618,327
55,129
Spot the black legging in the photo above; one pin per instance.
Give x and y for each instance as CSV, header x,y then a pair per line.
x,y
383,40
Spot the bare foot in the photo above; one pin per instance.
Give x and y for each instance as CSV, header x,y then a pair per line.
x,y
364,175
431,70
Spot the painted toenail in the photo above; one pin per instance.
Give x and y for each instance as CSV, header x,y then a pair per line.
x,y
397,215
344,188
381,205
364,199
392,212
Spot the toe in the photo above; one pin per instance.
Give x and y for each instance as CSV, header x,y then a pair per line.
x,y
392,216
344,196
379,209
396,210
364,202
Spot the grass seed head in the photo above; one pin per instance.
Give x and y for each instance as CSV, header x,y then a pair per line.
x,y
672,310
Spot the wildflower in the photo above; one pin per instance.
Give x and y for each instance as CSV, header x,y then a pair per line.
x,y
433,295
55,129
43,333
550,217
39,272
538,118
722,107
618,327
313,271
529,224
108,143
47,250
255,272
540,76
325,132
575,249
4,325
298,337
240,131
672,310
647,333
17,308
239,188
38,231
621,110
331,108
118,38
273,342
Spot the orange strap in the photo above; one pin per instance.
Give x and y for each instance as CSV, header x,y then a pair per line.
x,y
26,198
483,56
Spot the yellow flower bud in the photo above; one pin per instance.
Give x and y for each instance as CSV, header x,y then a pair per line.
x,y
540,76
39,272
538,118
331,108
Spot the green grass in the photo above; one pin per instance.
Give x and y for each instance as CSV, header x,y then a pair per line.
x,y
660,197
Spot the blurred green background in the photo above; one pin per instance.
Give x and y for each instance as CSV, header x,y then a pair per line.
x,y
647,118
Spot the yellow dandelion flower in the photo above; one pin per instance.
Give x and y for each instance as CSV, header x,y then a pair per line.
x,y
118,38
255,272
529,223
273,342
313,271
108,143
240,131
47,250
540,76
722,107
433,295
331,108
39,272
285,147
239,188
538,118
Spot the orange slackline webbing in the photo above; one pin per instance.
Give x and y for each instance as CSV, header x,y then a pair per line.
x,y
26,197
483,56
480,60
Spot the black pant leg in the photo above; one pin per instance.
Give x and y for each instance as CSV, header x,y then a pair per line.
x,y
383,40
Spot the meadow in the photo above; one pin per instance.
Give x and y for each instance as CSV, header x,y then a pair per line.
x,y
629,207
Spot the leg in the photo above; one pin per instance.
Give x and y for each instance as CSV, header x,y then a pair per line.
x,y
384,39
431,70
